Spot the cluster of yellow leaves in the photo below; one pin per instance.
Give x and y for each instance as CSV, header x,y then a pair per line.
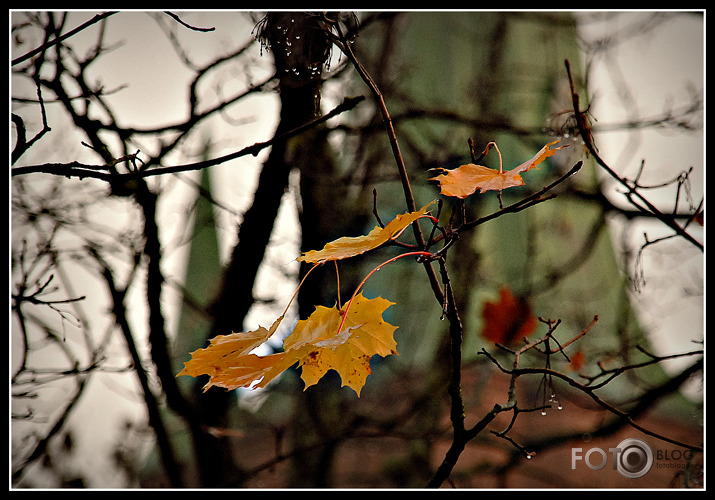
x,y
316,345
465,180
342,339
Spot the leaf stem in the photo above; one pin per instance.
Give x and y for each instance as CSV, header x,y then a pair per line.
x,y
500,158
377,268
301,284
337,277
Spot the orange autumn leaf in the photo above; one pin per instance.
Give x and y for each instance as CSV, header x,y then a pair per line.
x,y
347,246
214,359
315,345
229,363
465,180
507,320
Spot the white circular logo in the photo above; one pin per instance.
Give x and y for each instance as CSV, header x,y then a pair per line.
x,y
635,458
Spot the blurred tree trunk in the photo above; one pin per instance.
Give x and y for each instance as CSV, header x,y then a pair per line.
x,y
300,48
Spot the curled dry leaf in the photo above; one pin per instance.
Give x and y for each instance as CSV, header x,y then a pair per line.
x,y
347,246
465,180
315,345
229,363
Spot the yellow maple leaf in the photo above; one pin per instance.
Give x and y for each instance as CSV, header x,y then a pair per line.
x,y
315,344
349,246
364,334
465,180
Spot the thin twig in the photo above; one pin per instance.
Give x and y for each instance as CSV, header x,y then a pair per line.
x,y
193,28
61,38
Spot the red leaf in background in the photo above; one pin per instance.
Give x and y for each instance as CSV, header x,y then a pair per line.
x,y
508,320
577,361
